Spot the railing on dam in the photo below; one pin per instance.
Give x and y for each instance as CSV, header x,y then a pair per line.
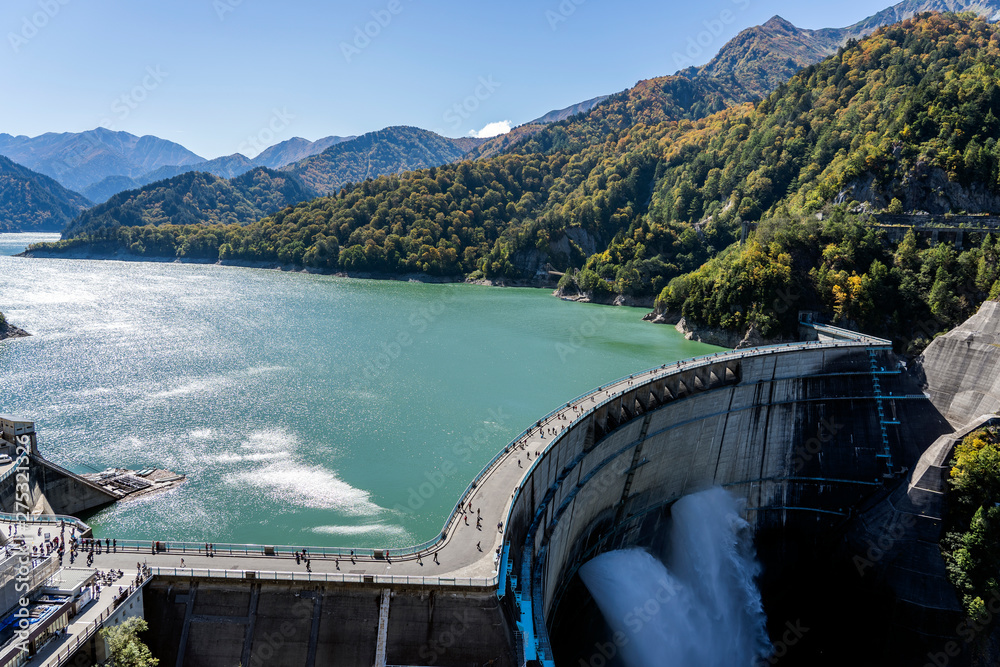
x,y
597,401
327,577
62,519
528,601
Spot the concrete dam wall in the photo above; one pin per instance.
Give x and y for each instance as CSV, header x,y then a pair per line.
x,y
802,434
206,623
899,537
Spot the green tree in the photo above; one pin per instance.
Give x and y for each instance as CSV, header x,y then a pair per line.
x,y
127,650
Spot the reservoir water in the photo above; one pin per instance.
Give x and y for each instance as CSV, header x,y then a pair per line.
x,y
304,409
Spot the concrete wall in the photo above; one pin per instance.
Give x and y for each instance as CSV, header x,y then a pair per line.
x,y
205,622
54,490
796,434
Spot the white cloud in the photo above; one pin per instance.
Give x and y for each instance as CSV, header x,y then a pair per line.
x,y
492,130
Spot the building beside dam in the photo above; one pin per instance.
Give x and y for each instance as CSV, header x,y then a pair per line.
x,y
830,443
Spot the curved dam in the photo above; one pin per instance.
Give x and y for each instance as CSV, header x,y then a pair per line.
x,y
803,434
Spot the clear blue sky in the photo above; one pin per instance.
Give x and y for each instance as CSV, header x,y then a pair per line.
x,y
211,74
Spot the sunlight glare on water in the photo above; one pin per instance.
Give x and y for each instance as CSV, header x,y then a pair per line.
x,y
304,409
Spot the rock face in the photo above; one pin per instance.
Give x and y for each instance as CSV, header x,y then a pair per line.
x,y
924,188
721,337
8,330
962,368
897,538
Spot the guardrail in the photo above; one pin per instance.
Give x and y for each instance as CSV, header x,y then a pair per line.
x,y
332,577
669,369
63,656
45,518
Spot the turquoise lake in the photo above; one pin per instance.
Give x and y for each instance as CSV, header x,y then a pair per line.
x,y
304,409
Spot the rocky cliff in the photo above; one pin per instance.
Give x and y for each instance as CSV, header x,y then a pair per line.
x,y
8,330
962,368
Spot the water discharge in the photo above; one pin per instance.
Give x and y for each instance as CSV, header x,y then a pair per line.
x,y
700,609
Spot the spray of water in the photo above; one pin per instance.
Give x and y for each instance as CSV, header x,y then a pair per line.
x,y
701,609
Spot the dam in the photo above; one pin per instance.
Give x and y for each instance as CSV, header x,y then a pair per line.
x,y
813,438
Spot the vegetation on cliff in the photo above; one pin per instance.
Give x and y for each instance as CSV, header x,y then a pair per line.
x,y
389,151
31,202
842,267
972,547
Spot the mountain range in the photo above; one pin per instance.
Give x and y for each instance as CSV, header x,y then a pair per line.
x,y
389,151
80,159
653,182
236,192
762,57
101,163
195,198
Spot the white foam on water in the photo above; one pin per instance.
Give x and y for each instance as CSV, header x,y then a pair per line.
x,y
383,529
192,387
315,487
256,457
270,439
704,610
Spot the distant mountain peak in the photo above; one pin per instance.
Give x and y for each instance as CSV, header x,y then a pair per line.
x,y
778,22
80,159
391,150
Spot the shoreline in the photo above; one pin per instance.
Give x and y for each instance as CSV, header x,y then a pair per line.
x,y
290,268
611,300
708,335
